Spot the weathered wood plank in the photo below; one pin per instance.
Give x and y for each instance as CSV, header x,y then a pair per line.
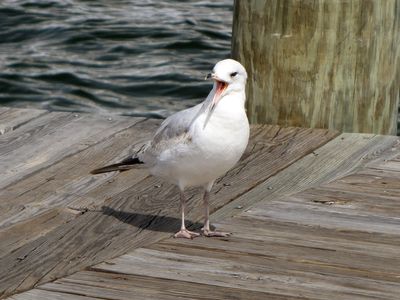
x,y
390,161
68,182
388,165
325,251
292,254
12,118
32,200
311,236
14,237
227,272
286,210
37,294
129,287
341,156
139,214
287,246
352,202
386,186
106,293
50,138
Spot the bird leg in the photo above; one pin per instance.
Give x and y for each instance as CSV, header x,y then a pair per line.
x,y
184,233
206,228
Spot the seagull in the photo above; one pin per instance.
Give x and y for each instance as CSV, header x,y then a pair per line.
x,y
195,146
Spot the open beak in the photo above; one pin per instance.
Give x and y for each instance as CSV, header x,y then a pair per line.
x,y
220,88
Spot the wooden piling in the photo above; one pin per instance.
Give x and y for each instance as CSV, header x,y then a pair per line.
x,y
328,64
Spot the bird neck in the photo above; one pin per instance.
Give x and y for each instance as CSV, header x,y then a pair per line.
x,y
234,99
229,109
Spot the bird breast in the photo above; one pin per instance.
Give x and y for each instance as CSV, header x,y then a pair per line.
x,y
210,151
224,138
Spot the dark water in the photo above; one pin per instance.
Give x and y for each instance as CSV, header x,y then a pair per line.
x,y
131,57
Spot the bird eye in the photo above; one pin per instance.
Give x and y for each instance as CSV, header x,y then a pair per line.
x,y
234,74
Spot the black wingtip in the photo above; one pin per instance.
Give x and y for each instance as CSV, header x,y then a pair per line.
x,y
124,165
98,171
106,169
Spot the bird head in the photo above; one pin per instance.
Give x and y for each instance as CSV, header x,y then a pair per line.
x,y
229,76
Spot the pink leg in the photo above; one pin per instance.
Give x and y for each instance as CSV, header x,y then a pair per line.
x,y
184,233
206,228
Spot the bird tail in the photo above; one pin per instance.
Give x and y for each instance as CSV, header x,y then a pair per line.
x,y
125,165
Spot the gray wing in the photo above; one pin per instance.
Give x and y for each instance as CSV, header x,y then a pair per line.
x,y
176,125
172,132
179,123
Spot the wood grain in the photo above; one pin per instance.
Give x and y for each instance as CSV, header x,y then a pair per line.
x,y
345,154
135,212
326,64
261,275
50,138
68,183
13,118
312,216
337,238
129,287
25,231
48,295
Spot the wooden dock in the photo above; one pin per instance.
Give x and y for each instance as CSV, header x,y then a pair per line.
x,y
314,215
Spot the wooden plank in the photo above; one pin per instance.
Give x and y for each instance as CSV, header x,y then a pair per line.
x,y
106,293
352,202
227,272
389,165
345,154
273,254
312,236
68,182
73,183
23,232
286,210
385,185
13,118
290,245
140,215
37,294
50,138
380,172
294,239
299,254
128,287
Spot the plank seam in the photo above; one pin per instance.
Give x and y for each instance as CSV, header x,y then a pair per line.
x,y
275,173
74,153
27,121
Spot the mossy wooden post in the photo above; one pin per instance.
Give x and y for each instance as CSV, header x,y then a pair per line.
x,y
326,63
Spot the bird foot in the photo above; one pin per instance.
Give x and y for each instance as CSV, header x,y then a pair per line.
x,y
186,234
212,233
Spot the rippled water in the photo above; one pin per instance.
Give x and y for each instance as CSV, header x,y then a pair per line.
x,y
131,57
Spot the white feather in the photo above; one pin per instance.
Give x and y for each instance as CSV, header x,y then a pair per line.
x,y
195,146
